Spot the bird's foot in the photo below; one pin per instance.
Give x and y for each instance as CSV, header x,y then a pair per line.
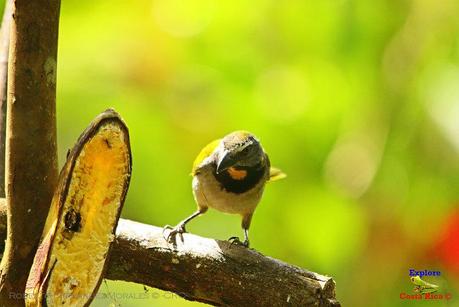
x,y
173,232
237,241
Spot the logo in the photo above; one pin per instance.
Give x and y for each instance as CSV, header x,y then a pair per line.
x,y
422,286
424,290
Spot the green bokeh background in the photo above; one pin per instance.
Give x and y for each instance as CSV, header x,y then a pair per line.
x,y
357,101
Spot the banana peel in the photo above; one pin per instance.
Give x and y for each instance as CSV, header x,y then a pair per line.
x,y
72,256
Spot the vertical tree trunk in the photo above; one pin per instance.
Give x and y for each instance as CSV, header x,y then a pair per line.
x,y
4,48
31,157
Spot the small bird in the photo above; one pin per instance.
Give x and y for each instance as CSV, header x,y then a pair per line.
x,y
229,175
422,286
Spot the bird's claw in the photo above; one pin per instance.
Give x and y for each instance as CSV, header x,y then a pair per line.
x,y
237,241
173,231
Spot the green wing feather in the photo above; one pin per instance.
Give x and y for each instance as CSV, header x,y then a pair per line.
x,y
205,152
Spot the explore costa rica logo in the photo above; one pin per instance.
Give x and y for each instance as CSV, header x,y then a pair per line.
x,y
424,290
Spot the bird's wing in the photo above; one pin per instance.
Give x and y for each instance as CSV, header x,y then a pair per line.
x,y
276,174
205,152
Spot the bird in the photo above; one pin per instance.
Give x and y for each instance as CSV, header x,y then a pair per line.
x,y
229,175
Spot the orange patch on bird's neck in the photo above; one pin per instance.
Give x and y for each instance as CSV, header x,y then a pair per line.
x,y
237,174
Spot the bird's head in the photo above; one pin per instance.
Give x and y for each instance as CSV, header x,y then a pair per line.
x,y
239,149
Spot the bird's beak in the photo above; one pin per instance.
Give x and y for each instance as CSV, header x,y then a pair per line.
x,y
224,162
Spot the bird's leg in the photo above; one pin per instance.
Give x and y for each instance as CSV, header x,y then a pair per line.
x,y
180,228
245,225
246,238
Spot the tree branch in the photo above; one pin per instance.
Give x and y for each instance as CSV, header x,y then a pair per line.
x,y
209,271
31,157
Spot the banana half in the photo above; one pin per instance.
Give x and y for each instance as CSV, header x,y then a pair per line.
x,y
71,258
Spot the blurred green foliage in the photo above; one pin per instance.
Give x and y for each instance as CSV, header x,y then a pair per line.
x,y
357,101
